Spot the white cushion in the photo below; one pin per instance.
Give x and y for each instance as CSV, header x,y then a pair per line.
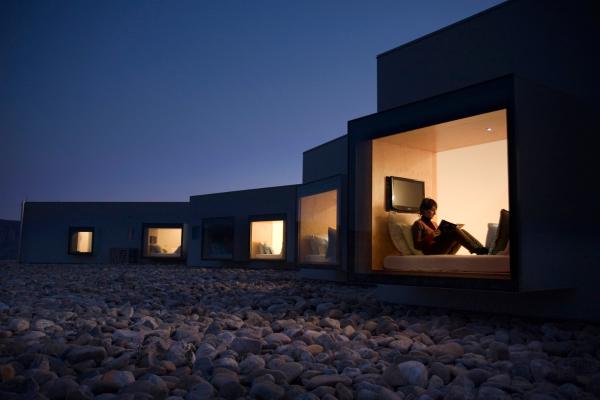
x,y
399,226
397,237
490,238
408,238
318,244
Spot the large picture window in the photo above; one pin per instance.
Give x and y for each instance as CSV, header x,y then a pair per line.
x,y
267,239
217,238
81,240
163,241
463,165
318,217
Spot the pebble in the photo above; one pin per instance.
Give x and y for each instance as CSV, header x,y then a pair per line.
x,y
170,332
118,379
407,373
266,390
18,324
246,345
82,353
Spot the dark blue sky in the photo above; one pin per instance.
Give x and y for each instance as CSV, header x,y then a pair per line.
x,y
157,101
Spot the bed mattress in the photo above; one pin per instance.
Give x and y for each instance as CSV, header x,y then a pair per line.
x,y
448,263
267,257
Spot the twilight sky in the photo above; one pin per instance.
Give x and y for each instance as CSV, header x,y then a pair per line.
x,y
160,100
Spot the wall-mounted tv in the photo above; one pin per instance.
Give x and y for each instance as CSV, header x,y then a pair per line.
x,y
403,194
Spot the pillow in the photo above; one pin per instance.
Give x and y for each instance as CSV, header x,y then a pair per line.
x,y
332,246
155,249
397,237
408,238
503,233
490,238
267,249
318,244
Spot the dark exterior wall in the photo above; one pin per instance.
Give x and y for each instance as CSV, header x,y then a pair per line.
x,y
46,228
9,239
551,170
326,160
240,205
552,43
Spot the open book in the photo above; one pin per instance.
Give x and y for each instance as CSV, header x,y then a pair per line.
x,y
445,225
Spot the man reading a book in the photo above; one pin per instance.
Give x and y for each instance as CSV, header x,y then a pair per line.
x,y
445,239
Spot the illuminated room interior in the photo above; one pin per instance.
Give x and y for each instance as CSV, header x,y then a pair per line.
x,y
163,242
318,221
81,242
266,240
464,165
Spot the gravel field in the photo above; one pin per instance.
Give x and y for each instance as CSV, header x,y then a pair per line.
x,y
157,332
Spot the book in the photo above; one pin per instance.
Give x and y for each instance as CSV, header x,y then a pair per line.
x,y
445,225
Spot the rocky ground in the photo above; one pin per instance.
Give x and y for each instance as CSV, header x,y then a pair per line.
x,y
147,332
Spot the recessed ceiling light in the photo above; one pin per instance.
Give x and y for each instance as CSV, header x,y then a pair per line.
x,y
488,129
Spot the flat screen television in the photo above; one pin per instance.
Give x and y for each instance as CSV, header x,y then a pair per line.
x,y
403,194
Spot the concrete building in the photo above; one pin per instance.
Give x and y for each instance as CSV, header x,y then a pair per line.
x,y
491,116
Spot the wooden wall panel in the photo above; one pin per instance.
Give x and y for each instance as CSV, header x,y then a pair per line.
x,y
393,160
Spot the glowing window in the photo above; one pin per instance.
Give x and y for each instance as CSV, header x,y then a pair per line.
x,y
81,240
163,242
318,217
266,240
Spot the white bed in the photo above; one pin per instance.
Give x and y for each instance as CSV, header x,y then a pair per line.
x,y
267,257
448,263
316,259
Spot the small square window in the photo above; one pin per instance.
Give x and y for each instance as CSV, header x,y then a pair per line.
x,y
217,238
163,241
267,240
81,241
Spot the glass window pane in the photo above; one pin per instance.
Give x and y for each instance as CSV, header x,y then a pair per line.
x,y
266,240
84,242
217,238
318,228
163,242
80,241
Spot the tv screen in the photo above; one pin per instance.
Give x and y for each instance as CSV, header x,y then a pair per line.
x,y
403,194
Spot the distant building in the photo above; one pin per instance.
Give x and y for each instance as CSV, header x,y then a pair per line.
x,y
9,239
492,116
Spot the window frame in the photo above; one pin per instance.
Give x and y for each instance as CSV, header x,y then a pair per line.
x,y
204,222
146,226
493,95
267,218
77,229
327,184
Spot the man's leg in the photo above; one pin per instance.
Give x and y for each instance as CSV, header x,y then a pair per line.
x,y
469,241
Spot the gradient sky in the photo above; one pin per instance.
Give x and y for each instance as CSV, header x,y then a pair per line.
x,y
160,100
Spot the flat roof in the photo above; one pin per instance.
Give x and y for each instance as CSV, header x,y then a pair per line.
x,y
448,27
326,143
244,190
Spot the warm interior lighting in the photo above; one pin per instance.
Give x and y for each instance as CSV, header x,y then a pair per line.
x,y
318,228
266,239
465,170
84,242
81,242
163,242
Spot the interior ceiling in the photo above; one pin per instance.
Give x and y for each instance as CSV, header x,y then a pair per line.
x,y
455,134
